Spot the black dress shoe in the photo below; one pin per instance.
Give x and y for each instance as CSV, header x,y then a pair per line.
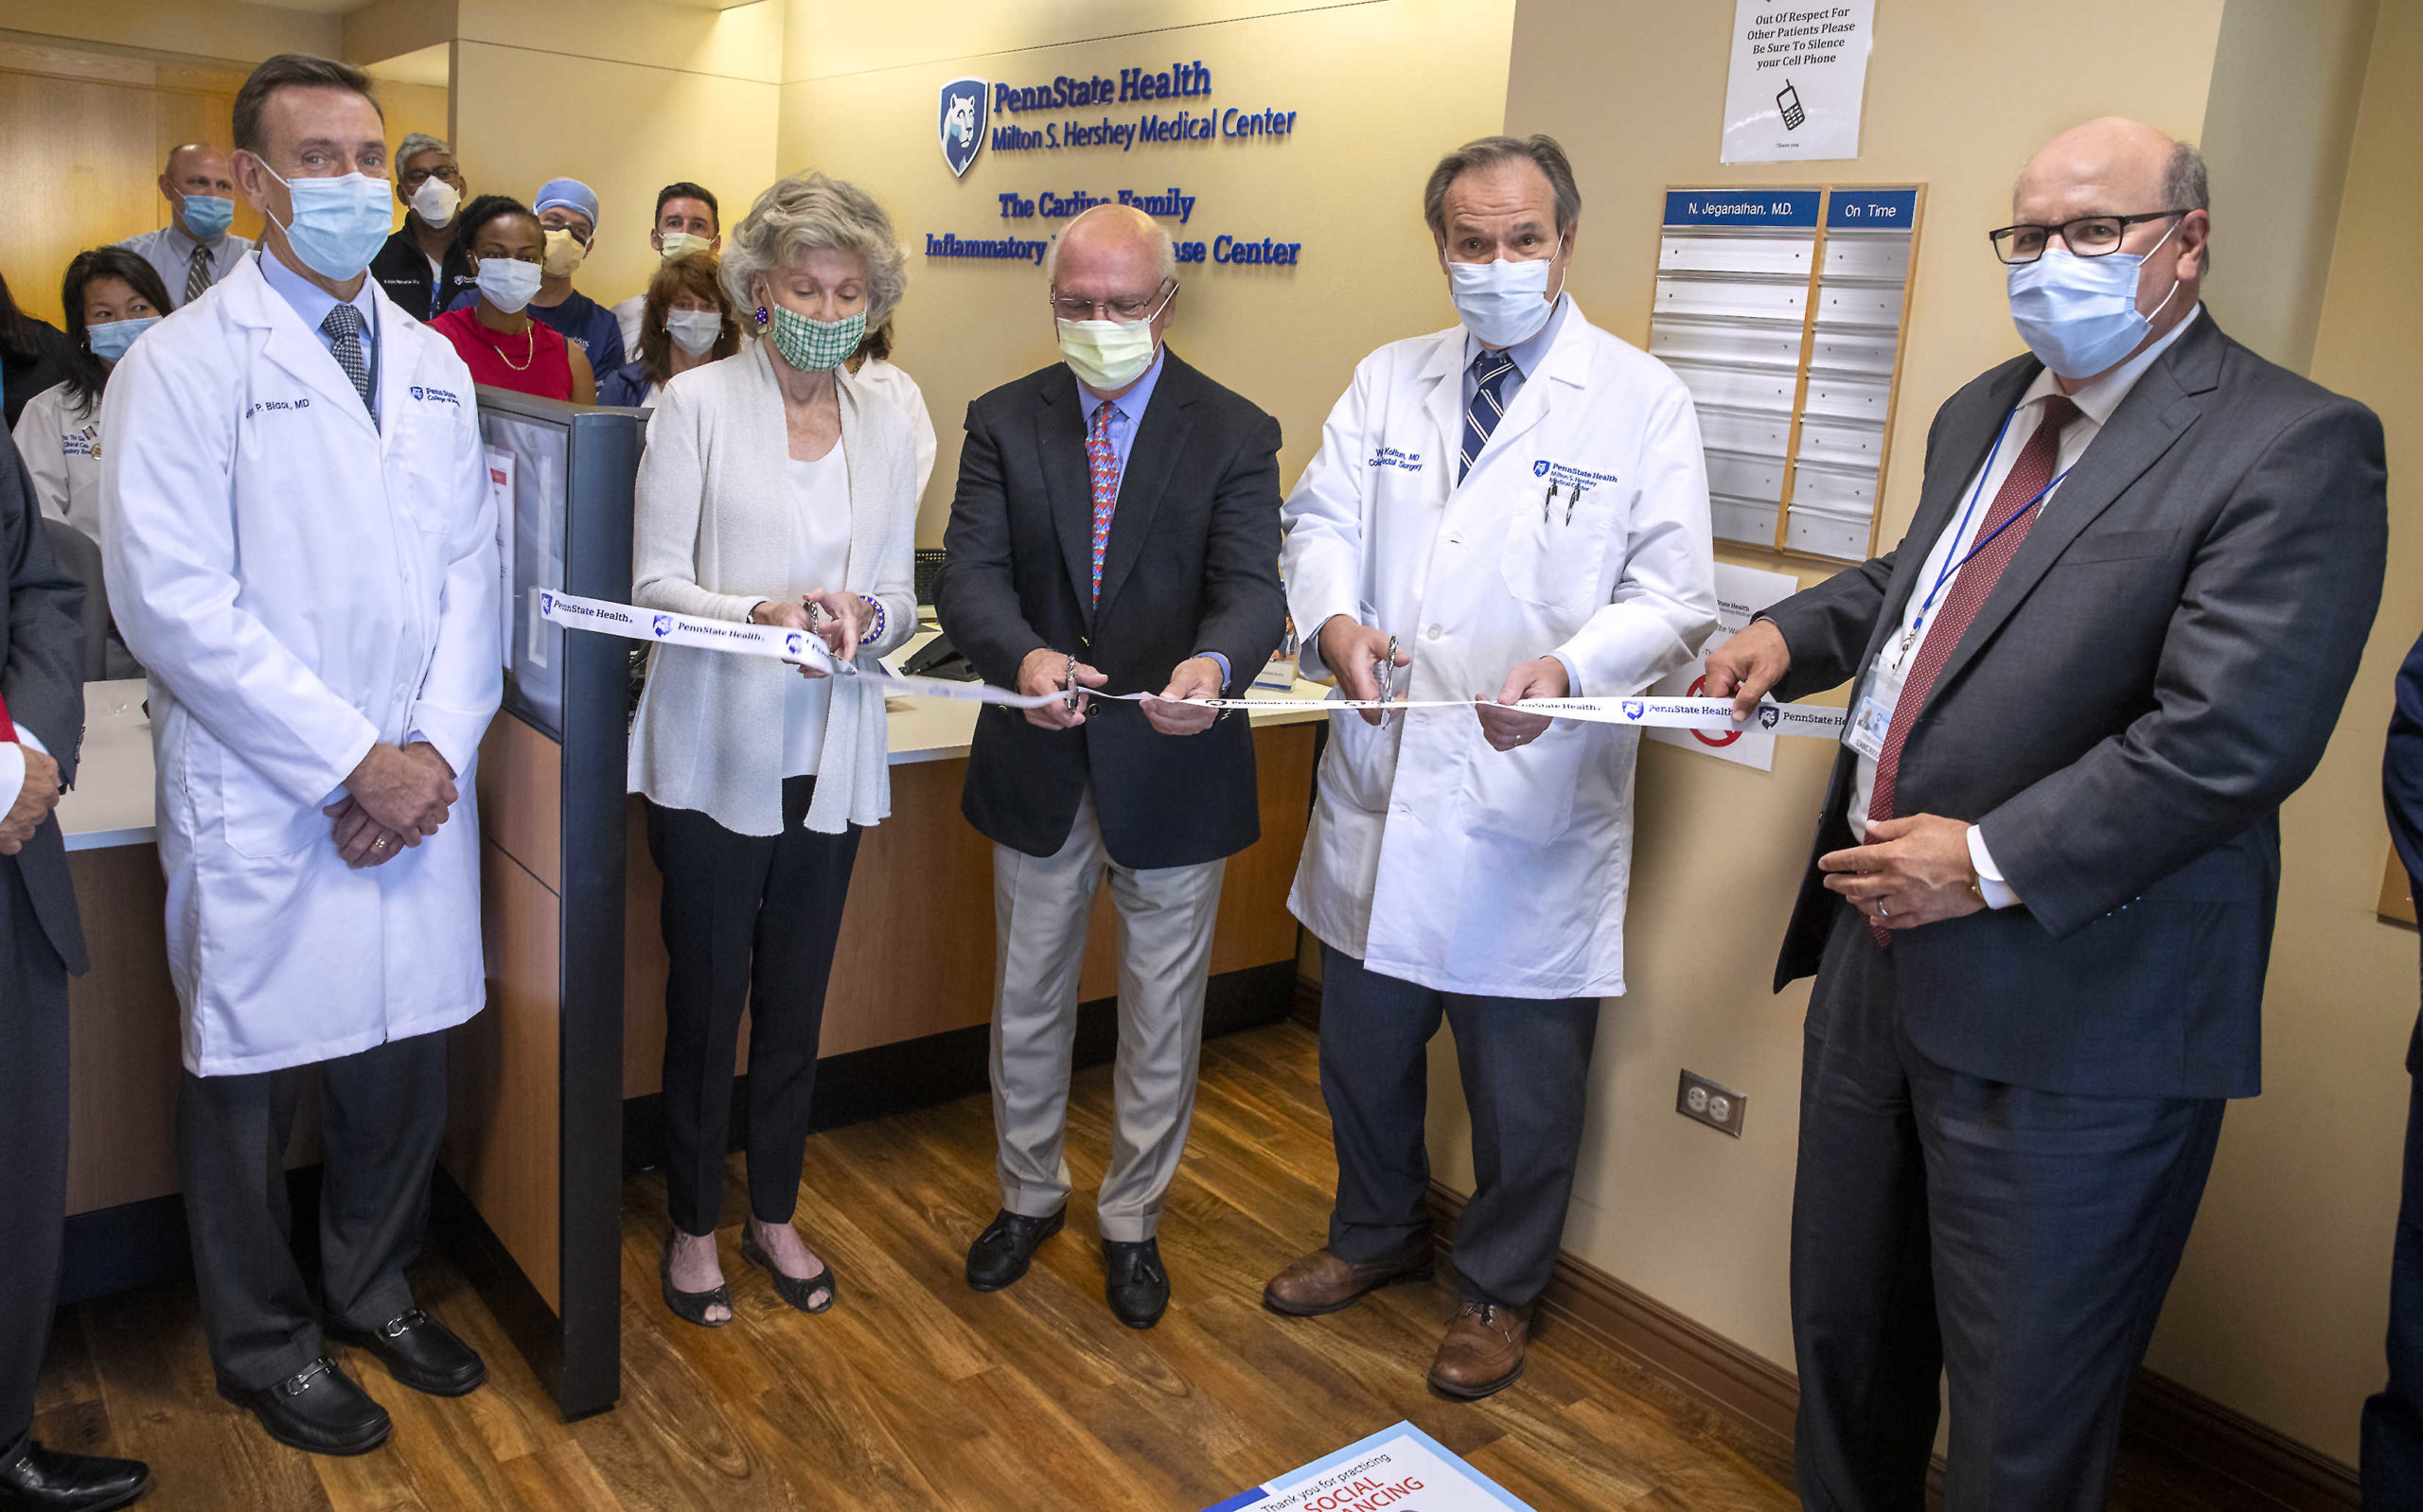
x,y
1138,1287
318,1411
43,1479
421,1352
1001,1254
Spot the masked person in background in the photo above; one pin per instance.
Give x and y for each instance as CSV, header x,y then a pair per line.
x,y
567,214
194,249
424,266
1540,529
689,321
688,224
2038,908
873,366
1116,528
494,333
301,547
111,296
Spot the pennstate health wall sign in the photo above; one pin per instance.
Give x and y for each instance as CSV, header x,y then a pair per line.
x,y
1089,115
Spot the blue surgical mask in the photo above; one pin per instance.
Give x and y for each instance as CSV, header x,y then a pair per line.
x,y
339,223
109,339
2079,315
209,216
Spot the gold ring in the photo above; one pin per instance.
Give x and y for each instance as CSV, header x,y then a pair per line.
x,y
380,844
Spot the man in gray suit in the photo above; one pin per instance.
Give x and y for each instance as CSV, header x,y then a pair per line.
x,y
2040,906
41,724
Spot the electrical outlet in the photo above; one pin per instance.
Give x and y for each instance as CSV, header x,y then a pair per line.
x,y
1719,1107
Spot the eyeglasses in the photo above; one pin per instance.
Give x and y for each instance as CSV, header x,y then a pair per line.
x,y
1069,307
2095,235
415,178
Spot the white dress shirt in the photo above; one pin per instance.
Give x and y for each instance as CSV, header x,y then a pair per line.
x,y
2097,403
820,560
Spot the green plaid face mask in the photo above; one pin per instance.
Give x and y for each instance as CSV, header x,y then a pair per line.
x,y
814,345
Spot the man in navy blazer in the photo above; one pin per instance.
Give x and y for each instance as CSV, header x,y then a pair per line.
x,y
2039,905
2390,1460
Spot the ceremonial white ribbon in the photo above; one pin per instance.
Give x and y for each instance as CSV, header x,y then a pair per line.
x,y
802,648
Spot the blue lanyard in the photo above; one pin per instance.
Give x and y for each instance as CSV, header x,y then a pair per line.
x,y
1944,573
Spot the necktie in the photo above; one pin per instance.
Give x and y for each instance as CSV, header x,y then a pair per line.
x,y
1103,463
1487,409
197,276
2029,476
344,328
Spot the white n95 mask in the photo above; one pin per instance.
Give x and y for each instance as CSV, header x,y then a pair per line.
x,y
436,199
1502,303
1110,354
2079,315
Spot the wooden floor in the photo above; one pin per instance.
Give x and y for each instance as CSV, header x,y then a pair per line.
x,y
917,1393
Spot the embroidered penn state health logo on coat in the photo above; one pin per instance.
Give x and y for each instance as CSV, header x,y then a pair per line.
x,y
962,123
1540,469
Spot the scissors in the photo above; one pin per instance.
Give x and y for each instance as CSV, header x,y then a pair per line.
x,y
1076,695
840,667
1384,676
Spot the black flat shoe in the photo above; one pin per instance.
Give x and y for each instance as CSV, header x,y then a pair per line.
x,y
421,1352
1001,1254
795,1290
691,1306
318,1411
44,1480
1138,1286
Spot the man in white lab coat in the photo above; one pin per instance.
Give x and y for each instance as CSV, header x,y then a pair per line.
x,y
1514,507
298,534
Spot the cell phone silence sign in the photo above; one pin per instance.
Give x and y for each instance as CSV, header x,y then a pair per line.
x,y
1396,1469
1797,81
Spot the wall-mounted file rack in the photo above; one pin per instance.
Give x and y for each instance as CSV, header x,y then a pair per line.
x,y
1784,312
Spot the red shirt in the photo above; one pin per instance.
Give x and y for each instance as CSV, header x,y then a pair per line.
x,y
534,362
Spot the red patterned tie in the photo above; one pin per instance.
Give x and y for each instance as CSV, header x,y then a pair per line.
x,y
1103,463
7,730
2029,476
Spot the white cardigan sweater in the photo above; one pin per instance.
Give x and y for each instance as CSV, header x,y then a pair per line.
x,y
710,538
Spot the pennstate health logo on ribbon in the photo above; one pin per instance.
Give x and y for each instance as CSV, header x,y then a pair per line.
x,y
663,625
1540,469
1769,717
962,123
791,644
1634,709
546,602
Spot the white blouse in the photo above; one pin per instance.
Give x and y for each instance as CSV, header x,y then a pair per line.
x,y
820,560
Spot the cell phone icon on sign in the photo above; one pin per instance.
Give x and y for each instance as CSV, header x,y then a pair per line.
x,y
1788,101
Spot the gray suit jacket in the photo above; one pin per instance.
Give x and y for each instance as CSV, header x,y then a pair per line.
x,y
41,653
2158,669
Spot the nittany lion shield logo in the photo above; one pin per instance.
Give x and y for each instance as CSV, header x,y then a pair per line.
x,y
546,602
963,122
664,624
1769,717
1634,709
1540,469
791,644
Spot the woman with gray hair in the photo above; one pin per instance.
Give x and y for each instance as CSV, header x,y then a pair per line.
x,y
775,490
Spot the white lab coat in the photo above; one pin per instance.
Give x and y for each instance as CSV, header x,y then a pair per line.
x,y
1432,857
302,583
887,380
62,444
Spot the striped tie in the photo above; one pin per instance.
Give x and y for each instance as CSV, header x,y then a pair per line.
x,y
197,276
1487,409
344,328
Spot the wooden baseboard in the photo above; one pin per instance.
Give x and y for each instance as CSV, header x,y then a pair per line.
x,y
1306,1008
2176,1436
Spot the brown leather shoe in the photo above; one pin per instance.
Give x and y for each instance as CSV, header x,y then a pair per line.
x,y
1320,1283
1482,1353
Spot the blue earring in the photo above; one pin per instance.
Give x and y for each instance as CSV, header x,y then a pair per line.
x,y
761,314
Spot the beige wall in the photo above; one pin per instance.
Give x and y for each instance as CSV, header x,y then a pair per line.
x,y
1347,183
2285,79
2280,1306
225,30
626,95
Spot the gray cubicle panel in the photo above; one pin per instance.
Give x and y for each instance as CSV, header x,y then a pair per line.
x,y
534,1147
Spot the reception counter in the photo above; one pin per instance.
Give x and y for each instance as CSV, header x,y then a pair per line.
x,y
912,983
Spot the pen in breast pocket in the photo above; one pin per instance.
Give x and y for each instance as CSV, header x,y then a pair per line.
x,y
1549,499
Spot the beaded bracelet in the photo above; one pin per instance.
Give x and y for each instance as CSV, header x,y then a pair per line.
x,y
876,632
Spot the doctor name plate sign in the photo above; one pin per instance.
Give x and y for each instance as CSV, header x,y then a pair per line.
x,y
1784,310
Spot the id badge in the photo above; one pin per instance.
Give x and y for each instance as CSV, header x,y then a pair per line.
x,y
1866,730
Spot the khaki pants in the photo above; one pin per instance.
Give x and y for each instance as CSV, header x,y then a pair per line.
x,y
1041,910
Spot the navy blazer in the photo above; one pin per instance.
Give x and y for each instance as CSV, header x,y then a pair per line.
x,y
2402,794
2158,667
42,656
1191,565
